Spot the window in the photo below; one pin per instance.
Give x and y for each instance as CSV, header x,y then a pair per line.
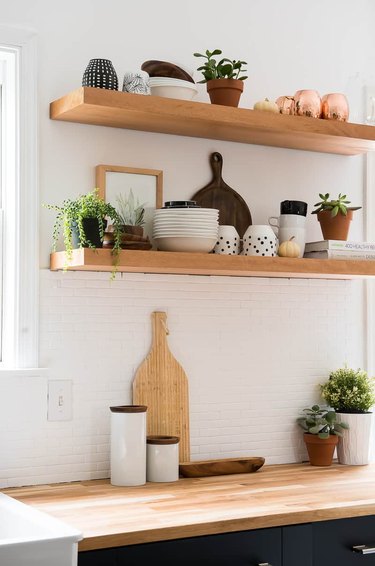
x,y
18,200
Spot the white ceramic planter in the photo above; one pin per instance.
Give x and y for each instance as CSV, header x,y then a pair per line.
x,y
353,448
162,458
128,445
228,241
260,240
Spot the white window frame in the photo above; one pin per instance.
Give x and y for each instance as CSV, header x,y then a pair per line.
x,y
20,230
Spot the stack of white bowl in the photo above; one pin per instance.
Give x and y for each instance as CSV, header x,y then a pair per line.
x,y
186,229
172,88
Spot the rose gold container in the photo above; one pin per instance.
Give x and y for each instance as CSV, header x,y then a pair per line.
x,y
307,103
285,104
335,107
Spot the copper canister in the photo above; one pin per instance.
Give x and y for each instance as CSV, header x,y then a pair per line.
x,y
285,104
307,103
335,107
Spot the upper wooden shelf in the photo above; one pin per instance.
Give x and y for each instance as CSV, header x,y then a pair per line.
x,y
130,261
196,119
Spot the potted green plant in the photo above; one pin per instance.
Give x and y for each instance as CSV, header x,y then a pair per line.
x,y
224,78
131,213
82,222
334,216
351,393
321,434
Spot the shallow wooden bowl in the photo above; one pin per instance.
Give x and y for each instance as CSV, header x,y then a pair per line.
x,y
205,468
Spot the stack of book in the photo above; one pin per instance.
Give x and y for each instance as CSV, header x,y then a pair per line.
x,y
340,249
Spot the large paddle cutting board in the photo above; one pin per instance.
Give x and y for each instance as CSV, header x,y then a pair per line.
x,y
217,194
161,384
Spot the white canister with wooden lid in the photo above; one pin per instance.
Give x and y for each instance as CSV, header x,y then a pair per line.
x,y
162,458
128,445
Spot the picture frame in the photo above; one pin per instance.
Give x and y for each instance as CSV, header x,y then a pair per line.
x,y
146,185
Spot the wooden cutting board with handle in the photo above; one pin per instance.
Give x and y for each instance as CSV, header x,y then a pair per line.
x,y
217,194
161,384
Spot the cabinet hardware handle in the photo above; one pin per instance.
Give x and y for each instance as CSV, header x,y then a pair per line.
x,y
264,564
363,549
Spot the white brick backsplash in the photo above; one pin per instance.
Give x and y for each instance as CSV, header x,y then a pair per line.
x,y
254,351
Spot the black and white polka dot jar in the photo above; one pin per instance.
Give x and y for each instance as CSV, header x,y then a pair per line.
x,y
100,73
228,241
260,240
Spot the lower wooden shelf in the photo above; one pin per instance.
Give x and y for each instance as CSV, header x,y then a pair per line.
x,y
179,263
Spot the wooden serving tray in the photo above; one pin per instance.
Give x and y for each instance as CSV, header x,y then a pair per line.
x,y
205,468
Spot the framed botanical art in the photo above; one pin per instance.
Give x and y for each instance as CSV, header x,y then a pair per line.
x,y
142,187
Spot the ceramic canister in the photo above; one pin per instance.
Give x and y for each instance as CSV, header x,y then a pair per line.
x,y
128,445
162,458
260,240
228,241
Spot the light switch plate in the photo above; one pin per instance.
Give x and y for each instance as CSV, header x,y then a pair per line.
x,y
60,400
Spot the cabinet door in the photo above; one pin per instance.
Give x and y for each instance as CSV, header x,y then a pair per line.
x,y
297,545
105,557
249,548
333,542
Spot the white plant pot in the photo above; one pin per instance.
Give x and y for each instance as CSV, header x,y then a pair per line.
x,y
353,448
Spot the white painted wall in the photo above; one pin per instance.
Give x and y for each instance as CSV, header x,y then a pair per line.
x,y
254,350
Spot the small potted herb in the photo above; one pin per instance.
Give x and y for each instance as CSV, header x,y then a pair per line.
x,y
352,394
83,221
224,78
321,434
334,216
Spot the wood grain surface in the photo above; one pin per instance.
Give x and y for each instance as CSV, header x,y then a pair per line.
x,y
276,495
130,261
206,468
187,118
233,210
161,384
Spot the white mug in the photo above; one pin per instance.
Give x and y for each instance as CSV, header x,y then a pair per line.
x,y
288,226
287,221
260,240
299,235
228,241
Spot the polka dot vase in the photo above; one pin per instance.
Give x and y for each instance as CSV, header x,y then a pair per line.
x,y
260,240
100,73
228,241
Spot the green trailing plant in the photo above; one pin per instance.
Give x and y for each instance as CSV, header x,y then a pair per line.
x,y
72,212
131,212
349,391
336,206
222,69
321,421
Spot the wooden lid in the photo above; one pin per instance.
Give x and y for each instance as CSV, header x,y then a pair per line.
x,y
162,439
129,409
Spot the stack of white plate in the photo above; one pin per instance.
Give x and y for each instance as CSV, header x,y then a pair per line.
x,y
172,88
186,229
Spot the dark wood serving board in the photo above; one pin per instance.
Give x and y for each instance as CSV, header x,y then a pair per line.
x,y
205,468
217,194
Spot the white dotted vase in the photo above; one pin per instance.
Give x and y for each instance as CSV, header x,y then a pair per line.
x,y
260,240
228,241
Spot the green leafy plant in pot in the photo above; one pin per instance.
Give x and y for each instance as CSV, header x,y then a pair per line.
x,y
224,78
352,394
82,222
321,434
334,216
131,213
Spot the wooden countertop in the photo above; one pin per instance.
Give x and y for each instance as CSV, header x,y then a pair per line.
x,y
276,495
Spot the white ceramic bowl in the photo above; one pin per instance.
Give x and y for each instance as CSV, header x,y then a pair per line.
x,y
186,211
173,88
185,244
185,224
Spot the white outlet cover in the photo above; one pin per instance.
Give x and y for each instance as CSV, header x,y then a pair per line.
x,y
60,400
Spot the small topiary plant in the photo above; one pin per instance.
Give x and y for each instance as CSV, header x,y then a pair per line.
x,y
349,391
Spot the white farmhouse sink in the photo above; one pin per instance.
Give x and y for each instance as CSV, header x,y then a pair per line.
x,y
29,537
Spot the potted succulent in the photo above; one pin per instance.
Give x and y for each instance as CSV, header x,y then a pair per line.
x,y
131,214
224,78
352,394
321,434
83,221
334,216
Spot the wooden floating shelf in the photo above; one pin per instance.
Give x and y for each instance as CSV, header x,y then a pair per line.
x,y
130,261
196,119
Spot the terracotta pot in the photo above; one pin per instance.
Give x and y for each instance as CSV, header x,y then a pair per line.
x,y
225,91
320,450
335,107
285,104
307,103
337,227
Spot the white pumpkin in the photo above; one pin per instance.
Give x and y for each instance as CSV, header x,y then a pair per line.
x,y
289,248
267,106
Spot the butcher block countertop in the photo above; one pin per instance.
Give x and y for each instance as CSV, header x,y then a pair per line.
x,y
112,516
